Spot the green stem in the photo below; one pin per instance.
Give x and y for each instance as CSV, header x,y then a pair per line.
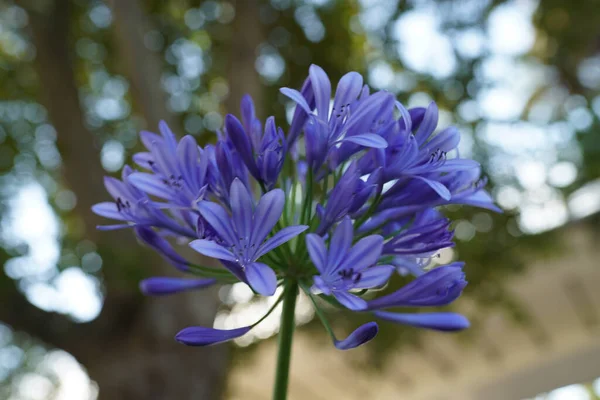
x,y
286,332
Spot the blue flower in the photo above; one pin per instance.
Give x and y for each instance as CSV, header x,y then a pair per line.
x,y
132,208
224,165
351,117
178,169
369,166
263,154
243,234
345,267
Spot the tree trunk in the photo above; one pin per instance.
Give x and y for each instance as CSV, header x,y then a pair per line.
x,y
129,350
242,76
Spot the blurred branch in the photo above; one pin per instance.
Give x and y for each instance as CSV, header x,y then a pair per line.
x,y
144,67
59,94
241,71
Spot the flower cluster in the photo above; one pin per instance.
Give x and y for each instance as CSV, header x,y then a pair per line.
x,y
349,196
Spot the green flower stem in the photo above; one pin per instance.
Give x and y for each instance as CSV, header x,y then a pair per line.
x,y
286,333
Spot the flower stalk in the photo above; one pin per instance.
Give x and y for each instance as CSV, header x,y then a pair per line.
x,y
286,334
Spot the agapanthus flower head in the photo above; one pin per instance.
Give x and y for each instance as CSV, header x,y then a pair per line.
x,y
336,219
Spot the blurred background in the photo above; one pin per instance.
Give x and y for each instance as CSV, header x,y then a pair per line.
x,y
80,78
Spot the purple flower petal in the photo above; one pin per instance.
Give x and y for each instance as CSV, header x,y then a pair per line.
x,y
149,138
261,278
428,124
158,286
437,287
347,91
219,220
363,254
446,140
341,241
203,336
281,237
374,276
151,184
437,186
350,301
242,209
367,140
192,165
360,336
317,251
113,227
268,211
297,97
240,139
248,115
162,246
437,321
322,89
108,209
144,160
212,249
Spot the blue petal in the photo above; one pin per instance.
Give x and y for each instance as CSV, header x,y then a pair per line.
x,y
202,336
363,254
437,321
247,107
297,97
218,218
162,246
116,188
348,89
350,301
317,251
322,89
261,278
167,134
367,140
428,124
438,287
341,241
374,276
149,138
281,237
108,209
151,184
144,160
457,164
440,189
113,227
268,211
242,209
360,336
158,286
240,139
212,249
192,165
446,140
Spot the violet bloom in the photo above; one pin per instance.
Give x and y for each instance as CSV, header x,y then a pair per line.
x,y
132,208
365,197
350,119
344,267
244,233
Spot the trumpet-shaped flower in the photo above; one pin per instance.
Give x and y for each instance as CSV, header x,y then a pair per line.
x,y
243,234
